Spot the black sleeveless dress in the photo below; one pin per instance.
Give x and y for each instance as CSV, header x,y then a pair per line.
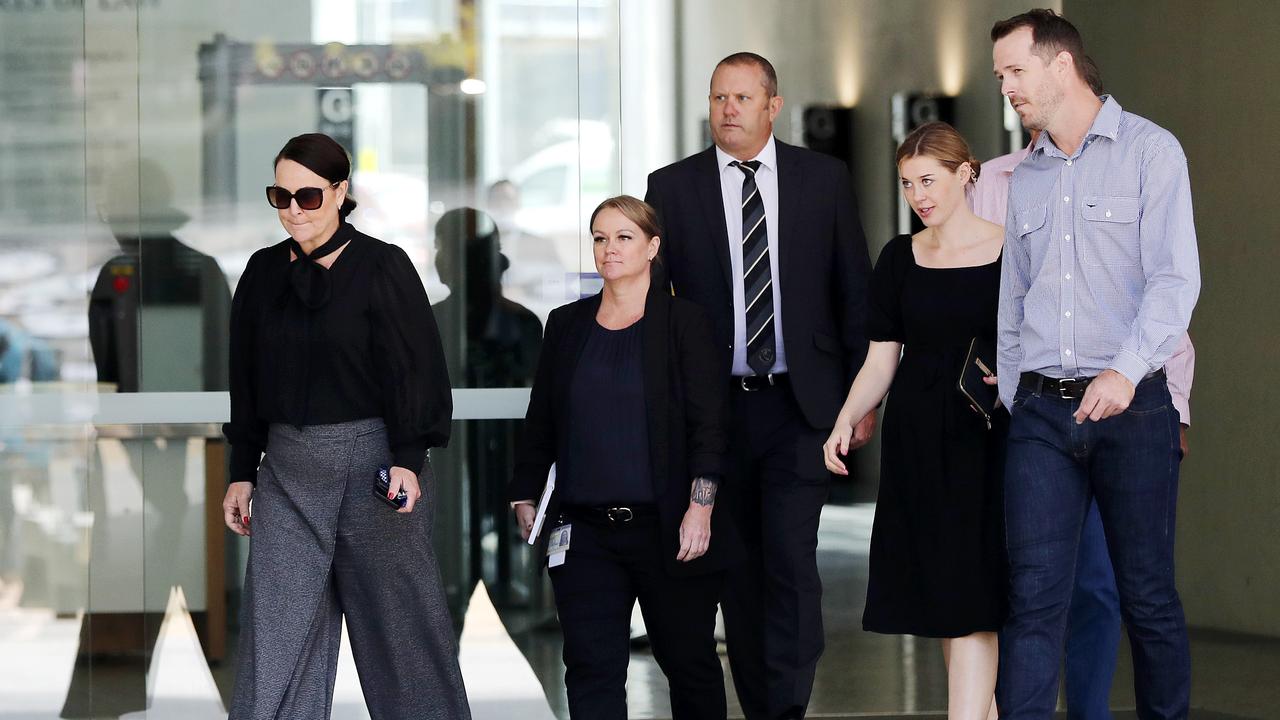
x,y
938,561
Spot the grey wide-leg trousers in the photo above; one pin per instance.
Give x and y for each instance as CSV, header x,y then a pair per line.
x,y
324,547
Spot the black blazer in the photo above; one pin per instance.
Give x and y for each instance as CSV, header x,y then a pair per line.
x,y
686,418
823,265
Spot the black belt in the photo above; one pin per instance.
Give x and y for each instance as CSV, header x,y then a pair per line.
x,y
752,383
610,515
1065,388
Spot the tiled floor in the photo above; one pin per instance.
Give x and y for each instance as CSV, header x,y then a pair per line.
x,y
868,675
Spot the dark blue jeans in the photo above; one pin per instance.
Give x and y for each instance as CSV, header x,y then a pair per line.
x,y
1055,468
1093,626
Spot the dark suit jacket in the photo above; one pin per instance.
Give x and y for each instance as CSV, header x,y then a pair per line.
x,y
686,418
823,265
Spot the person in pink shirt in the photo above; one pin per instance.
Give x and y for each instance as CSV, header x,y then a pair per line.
x,y
1093,631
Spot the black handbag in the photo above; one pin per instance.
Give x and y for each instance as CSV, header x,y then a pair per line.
x,y
979,363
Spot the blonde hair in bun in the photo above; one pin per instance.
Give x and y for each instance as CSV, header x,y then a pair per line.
x,y
941,142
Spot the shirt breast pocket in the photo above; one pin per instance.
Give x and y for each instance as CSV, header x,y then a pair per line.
x,y
1031,229
1111,231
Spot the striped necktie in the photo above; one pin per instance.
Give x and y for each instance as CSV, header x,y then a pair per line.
x,y
757,276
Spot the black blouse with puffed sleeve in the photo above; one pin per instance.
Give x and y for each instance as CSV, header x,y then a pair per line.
x,y
314,346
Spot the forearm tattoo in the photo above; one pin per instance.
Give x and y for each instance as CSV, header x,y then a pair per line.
x,y
704,491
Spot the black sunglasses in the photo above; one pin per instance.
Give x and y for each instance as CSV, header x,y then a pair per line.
x,y
309,198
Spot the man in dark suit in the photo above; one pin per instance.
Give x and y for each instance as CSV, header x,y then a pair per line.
x,y
766,237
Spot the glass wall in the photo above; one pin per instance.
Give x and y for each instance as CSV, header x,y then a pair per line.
x,y
135,141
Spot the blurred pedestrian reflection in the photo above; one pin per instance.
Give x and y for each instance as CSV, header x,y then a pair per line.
x,y
490,342
159,322
176,322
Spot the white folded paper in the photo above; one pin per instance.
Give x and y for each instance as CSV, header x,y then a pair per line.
x,y
542,505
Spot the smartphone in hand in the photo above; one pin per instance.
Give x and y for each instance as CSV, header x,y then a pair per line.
x,y
382,486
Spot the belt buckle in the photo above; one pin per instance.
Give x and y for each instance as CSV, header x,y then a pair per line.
x,y
747,388
620,514
1067,386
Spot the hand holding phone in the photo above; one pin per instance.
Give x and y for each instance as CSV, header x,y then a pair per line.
x,y
382,488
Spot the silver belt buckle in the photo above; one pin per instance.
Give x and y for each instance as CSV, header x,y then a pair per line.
x,y
746,388
620,514
1063,387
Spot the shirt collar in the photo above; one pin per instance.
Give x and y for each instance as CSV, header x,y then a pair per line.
x,y
1015,159
768,156
1105,124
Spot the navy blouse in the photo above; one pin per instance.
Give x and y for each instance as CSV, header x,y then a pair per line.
x,y
609,439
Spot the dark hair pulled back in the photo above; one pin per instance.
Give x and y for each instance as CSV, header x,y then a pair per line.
x,y
323,156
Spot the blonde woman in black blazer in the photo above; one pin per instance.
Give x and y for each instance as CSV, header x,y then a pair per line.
x,y
628,403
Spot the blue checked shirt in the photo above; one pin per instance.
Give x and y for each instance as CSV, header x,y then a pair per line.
x,y
1100,264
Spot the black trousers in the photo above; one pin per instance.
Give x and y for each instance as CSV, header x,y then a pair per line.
x,y
607,568
773,600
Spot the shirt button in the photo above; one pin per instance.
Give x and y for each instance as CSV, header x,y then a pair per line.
x,y
1068,238
1068,162
1066,198
1108,213
1067,313
1067,351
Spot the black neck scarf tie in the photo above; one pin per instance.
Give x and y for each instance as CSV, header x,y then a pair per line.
x,y
312,286
310,279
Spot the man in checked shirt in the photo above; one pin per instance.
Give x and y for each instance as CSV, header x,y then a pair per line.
x,y
1100,276
1093,618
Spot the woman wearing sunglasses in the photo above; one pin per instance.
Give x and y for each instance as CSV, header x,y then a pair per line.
x,y
336,372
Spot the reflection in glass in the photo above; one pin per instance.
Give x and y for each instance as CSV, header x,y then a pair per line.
x,y
490,341
132,171
158,321
159,303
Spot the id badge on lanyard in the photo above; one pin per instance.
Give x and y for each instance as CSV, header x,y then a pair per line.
x,y
558,545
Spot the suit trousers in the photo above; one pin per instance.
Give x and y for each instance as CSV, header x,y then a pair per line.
x,y
607,568
324,548
773,601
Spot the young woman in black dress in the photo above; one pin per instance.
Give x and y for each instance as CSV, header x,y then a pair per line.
x,y
937,543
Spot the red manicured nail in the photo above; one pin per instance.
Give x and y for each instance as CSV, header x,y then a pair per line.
x,y
391,496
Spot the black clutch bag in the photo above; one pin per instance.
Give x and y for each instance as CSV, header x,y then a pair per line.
x,y
979,363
